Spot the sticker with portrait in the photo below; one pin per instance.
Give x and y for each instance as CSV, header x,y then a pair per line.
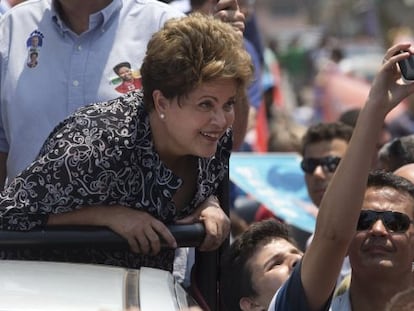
x,y
34,44
127,79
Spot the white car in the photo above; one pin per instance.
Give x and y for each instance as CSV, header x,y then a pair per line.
x,y
39,285
32,285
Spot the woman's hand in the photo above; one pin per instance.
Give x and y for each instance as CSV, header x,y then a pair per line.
x,y
388,90
228,11
142,231
216,223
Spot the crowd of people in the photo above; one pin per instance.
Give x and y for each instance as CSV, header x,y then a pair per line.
x,y
133,130
363,213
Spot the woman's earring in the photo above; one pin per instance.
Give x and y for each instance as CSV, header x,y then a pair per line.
x,y
162,116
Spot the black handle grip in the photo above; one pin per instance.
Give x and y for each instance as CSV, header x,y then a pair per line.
x,y
185,235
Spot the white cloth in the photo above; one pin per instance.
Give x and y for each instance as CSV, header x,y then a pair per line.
x,y
182,5
183,263
341,302
4,6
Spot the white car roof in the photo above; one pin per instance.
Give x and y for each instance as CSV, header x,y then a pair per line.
x,y
33,285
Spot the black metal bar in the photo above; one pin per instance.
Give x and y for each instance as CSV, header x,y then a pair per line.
x,y
186,236
207,264
225,201
206,277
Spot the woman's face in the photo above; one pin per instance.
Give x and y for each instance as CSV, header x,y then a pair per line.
x,y
195,123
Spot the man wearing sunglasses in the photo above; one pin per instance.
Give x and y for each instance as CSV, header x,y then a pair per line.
x,y
382,249
380,244
379,238
323,146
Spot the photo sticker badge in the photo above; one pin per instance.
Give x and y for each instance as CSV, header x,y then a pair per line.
x,y
34,44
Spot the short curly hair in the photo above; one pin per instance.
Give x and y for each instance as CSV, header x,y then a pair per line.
x,y
192,50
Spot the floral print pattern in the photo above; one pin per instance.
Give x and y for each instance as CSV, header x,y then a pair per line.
x,y
103,155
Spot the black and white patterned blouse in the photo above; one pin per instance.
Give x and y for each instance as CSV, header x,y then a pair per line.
x,y
103,154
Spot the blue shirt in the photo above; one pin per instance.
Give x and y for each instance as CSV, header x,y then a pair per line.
x,y
69,70
255,90
291,296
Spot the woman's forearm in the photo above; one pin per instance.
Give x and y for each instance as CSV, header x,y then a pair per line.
x,y
91,215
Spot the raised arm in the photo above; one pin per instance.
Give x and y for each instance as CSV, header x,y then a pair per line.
x,y
341,205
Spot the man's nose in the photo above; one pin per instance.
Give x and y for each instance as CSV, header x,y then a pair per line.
x,y
378,227
319,172
292,260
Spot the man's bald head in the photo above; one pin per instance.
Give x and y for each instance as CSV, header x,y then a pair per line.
x,y
406,171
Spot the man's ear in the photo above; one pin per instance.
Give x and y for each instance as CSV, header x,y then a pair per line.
x,y
160,102
248,304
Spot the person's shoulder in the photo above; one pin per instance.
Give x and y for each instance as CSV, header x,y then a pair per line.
x,y
28,8
33,13
131,101
4,6
182,5
33,10
290,294
153,6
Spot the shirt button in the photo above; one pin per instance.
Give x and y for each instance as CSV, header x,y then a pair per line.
x,y
75,82
79,47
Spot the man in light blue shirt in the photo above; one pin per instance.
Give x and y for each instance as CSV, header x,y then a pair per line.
x,y
75,64
62,57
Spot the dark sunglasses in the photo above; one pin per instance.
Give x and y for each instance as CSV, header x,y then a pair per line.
x,y
393,221
329,164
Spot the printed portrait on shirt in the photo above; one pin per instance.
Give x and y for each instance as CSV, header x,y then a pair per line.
x,y
34,44
127,79
33,59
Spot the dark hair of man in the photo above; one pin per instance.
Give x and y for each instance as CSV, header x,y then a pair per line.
x,y
381,178
236,279
120,65
398,152
326,132
350,116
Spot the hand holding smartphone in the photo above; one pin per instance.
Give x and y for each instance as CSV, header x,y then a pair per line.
x,y
407,68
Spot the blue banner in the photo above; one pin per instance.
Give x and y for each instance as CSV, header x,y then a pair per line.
x,y
277,181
